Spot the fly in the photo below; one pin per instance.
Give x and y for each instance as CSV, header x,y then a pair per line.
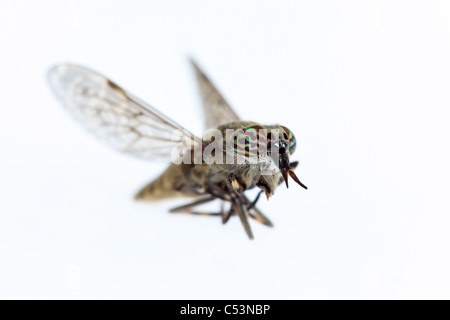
x,y
243,154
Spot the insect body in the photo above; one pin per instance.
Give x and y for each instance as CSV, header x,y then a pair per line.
x,y
243,155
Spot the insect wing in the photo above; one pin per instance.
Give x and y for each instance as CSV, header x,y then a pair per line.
x,y
215,108
115,116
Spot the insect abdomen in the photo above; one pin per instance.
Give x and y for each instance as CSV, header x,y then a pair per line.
x,y
176,181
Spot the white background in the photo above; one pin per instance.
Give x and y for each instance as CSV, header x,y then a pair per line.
x,y
364,85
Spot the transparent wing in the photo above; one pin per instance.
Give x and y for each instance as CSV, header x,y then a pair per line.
x,y
116,117
215,108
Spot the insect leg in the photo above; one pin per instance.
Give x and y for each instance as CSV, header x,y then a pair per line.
x,y
251,205
226,215
217,192
239,203
243,214
256,214
198,213
186,208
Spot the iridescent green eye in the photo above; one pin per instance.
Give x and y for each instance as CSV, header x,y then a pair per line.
x,y
250,141
291,139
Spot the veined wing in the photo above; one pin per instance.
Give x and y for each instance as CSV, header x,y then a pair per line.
x,y
117,117
215,108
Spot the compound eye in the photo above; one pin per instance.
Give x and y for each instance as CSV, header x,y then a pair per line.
x,y
289,136
250,141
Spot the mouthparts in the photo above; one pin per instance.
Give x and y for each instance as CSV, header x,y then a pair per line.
x,y
286,169
291,173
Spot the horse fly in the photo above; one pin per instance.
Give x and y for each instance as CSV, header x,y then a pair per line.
x,y
232,157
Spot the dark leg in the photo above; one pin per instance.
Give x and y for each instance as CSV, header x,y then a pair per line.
x,y
226,215
186,208
255,213
198,213
239,206
217,192
243,214
253,204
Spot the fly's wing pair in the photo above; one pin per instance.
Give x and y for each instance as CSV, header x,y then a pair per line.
x,y
125,122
